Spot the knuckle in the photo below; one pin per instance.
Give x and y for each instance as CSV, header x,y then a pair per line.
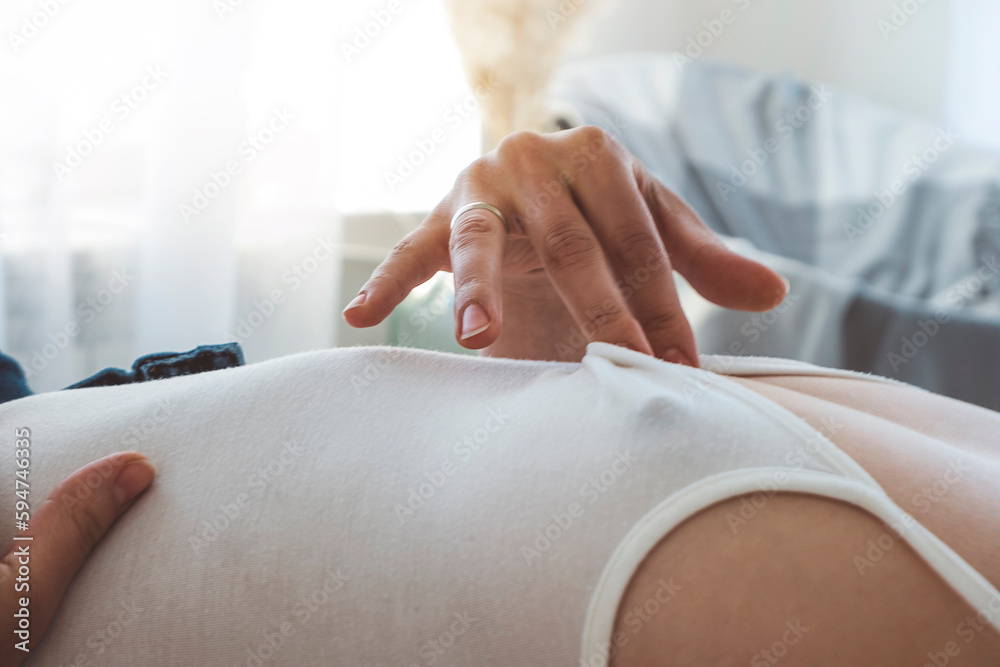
x,y
638,246
478,171
473,230
404,247
470,288
520,145
567,246
601,316
664,322
590,133
597,140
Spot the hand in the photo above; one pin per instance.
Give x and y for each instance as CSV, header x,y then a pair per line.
x,y
591,231
65,528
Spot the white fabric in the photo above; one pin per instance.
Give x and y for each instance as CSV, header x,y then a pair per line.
x,y
436,508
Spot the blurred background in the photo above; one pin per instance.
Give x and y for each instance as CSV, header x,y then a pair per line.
x,y
205,171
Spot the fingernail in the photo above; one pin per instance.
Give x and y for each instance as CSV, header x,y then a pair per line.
x,y
678,357
474,321
779,297
132,480
356,301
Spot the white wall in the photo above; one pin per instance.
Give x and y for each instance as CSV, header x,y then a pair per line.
x,y
974,91
838,41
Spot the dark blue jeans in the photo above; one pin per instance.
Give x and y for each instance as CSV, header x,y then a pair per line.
x,y
14,385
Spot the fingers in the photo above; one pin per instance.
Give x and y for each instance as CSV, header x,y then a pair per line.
x,y
65,529
477,247
720,275
618,214
413,261
576,265
575,261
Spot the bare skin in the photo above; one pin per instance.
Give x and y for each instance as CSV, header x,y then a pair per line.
x,y
560,276
64,529
779,569
745,588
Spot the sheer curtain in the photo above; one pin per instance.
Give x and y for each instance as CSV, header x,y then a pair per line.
x,y
175,174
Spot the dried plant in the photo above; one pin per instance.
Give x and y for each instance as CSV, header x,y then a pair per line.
x,y
512,48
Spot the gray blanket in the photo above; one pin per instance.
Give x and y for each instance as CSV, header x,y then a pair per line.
x,y
887,226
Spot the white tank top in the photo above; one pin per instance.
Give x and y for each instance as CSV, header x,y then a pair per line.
x,y
375,506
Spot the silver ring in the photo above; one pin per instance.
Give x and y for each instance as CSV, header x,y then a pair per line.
x,y
483,205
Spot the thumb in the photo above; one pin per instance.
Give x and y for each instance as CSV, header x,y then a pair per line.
x,y
63,531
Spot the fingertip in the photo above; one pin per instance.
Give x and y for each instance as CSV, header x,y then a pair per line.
x,y
357,301
786,288
678,356
476,327
742,284
365,311
133,479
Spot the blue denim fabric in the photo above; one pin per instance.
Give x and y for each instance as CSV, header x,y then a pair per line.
x,y
13,384
150,367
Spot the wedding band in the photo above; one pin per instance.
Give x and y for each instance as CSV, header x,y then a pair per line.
x,y
483,205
